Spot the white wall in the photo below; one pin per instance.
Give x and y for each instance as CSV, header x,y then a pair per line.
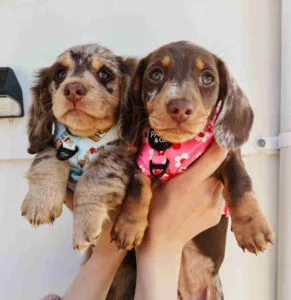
x,y
245,33
284,221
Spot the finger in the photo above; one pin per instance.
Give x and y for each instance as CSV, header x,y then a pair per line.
x,y
214,188
217,191
219,209
218,199
208,163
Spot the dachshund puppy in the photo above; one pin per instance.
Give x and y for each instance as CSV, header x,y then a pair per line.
x,y
78,98
181,98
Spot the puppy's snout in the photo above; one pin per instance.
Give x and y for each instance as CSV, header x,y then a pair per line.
x,y
74,91
180,110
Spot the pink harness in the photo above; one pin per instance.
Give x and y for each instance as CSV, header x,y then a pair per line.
x,y
163,160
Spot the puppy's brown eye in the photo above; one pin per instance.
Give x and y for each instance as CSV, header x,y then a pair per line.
x,y
104,76
60,75
156,75
207,78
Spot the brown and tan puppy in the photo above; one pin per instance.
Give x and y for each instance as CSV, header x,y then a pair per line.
x,y
81,91
175,91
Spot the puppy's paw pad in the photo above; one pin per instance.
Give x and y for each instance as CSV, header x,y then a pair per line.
x,y
127,233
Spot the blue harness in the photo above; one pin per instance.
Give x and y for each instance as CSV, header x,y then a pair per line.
x,y
80,151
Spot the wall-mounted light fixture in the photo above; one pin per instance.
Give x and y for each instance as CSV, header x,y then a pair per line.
x,y
11,101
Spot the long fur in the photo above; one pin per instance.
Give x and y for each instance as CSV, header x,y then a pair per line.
x,y
103,185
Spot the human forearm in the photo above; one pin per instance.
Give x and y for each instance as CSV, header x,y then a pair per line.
x,y
95,277
157,272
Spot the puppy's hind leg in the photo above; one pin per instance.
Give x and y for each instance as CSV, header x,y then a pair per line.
x,y
100,189
48,179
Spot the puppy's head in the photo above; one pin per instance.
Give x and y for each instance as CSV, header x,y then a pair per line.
x,y
81,90
176,90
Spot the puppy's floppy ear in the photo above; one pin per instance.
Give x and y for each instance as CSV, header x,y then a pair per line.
x,y
132,110
235,120
41,116
127,68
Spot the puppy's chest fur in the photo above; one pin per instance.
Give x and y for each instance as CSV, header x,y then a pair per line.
x,y
80,151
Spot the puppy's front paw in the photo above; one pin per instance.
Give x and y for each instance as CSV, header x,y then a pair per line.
x,y
87,228
128,231
48,179
253,232
38,209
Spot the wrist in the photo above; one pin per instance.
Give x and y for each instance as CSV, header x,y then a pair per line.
x,y
108,250
160,243
150,251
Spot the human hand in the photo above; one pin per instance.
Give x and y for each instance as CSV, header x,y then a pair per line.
x,y
187,204
180,209
90,283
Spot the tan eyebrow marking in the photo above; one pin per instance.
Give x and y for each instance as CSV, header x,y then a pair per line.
x,y
65,60
199,64
166,61
97,63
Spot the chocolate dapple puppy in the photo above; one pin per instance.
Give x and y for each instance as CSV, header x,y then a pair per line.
x,y
182,97
78,98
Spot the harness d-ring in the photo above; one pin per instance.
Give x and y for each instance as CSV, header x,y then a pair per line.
x,y
65,154
163,167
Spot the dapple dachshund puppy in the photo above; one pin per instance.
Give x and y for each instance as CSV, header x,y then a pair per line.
x,y
183,97
78,98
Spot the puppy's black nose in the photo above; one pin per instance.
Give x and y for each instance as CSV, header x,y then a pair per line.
x,y
180,110
74,91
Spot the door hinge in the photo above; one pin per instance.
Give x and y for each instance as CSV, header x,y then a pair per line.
x,y
273,142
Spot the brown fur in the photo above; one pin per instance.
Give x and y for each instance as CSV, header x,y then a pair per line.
x,y
123,285
48,179
147,100
41,117
102,187
252,230
201,260
146,105
129,229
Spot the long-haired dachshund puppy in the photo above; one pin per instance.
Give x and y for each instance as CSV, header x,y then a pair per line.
x,y
78,99
182,97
